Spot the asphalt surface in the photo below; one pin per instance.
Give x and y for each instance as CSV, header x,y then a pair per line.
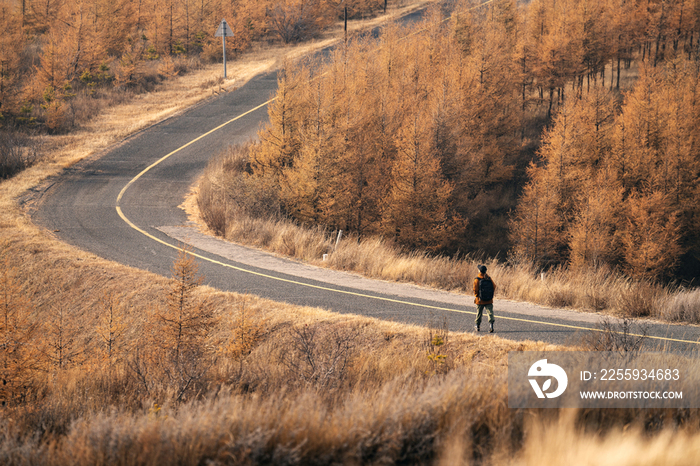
x,y
81,207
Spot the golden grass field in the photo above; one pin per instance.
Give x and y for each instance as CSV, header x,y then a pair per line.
x,y
377,393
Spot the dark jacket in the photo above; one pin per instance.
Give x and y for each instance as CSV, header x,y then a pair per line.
x,y
476,289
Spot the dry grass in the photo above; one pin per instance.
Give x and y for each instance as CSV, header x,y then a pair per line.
x,y
682,306
388,406
561,442
385,406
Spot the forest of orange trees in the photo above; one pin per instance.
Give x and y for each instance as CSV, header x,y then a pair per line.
x,y
54,50
563,132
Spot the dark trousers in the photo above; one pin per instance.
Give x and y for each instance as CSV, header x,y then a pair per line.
x,y
480,312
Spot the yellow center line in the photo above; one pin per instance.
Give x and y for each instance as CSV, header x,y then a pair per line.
x,y
165,157
363,295
294,282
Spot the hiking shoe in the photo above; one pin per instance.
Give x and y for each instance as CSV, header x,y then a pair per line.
x,y
491,328
476,327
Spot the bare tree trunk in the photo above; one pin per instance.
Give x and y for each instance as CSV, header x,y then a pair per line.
x,y
170,40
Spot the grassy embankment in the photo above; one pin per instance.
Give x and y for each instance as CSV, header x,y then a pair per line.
x,y
378,394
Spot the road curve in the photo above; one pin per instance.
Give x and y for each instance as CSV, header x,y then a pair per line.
x,y
124,207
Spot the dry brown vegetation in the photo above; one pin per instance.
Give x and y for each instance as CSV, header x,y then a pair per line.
x,y
272,383
85,382
420,140
424,135
242,209
62,61
63,64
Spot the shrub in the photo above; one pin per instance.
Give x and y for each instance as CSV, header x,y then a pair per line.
x,y
624,336
638,299
18,151
682,306
226,190
320,354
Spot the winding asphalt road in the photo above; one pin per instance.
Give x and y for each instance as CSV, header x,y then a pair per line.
x,y
120,205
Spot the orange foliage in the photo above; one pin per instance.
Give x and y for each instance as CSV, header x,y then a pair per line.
x,y
84,44
392,138
626,181
18,331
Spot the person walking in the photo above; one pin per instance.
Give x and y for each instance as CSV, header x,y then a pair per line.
x,y
484,289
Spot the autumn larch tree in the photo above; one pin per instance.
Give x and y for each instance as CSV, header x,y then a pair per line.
x,y
111,328
417,210
651,239
62,346
10,90
181,328
593,235
18,331
536,226
279,142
